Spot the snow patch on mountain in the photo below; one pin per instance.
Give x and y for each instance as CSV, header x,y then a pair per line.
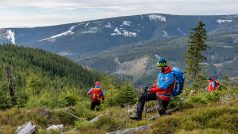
x,y
224,46
157,17
86,24
116,32
126,23
10,35
7,36
179,30
165,34
91,30
64,53
68,32
123,33
223,21
109,25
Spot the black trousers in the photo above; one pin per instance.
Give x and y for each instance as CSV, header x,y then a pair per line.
x,y
94,104
151,96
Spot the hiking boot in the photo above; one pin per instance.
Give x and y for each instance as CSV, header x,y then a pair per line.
x,y
136,117
97,108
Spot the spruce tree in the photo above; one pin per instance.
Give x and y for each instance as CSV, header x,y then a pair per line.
x,y
197,44
126,94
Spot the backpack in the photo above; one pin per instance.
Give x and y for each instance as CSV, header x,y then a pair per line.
x,y
96,95
179,83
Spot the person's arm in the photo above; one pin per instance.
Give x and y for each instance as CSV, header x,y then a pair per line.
x,y
169,79
90,91
103,95
213,85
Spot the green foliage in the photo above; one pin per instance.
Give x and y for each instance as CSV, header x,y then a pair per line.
x,y
83,125
111,86
47,64
39,88
22,99
126,94
200,118
200,82
107,123
203,131
49,99
197,45
12,118
104,123
223,94
201,98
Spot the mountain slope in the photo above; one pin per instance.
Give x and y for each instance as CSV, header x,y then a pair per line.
x,y
115,43
94,36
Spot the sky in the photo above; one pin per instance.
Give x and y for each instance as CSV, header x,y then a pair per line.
x,y
31,13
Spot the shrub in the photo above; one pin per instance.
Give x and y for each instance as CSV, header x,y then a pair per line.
x,y
22,99
126,95
107,123
220,118
83,125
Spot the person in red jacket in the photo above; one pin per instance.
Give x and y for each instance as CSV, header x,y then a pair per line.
x,y
160,91
213,84
96,95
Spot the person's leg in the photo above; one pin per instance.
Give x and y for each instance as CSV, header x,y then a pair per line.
x,y
98,106
141,102
162,106
92,105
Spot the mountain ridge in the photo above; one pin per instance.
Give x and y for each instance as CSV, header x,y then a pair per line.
x,y
145,33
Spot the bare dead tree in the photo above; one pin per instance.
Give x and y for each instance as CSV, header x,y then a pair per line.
x,y
11,84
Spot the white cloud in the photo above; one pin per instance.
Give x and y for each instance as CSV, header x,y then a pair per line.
x,y
62,11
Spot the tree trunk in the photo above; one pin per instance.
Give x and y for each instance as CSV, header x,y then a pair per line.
x,y
11,85
27,128
132,130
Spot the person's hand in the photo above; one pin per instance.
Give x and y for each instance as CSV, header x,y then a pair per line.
x,y
147,89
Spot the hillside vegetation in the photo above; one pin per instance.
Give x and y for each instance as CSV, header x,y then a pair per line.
x,y
46,86
51,89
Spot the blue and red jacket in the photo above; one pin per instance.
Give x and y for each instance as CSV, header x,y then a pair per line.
x,y
165,84
213,85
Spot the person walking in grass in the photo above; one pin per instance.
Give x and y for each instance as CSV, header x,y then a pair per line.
x,y
96,96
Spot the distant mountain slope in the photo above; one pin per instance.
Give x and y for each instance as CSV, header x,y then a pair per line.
x,y
109,44
222,58
93,36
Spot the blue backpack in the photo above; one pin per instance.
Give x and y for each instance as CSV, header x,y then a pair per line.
x,y
179,83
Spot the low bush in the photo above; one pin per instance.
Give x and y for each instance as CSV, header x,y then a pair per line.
x,y
221,118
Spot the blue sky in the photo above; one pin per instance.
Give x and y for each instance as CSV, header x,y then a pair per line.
x,y
30,13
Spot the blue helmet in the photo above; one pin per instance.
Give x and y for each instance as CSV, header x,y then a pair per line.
x,y
209,78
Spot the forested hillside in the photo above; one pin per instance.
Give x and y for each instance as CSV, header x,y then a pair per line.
x,y
35,72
